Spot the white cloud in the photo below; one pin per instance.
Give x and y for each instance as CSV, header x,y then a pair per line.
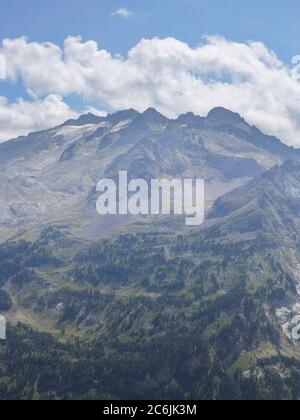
x,y
123,12
2,68
22,117
166,74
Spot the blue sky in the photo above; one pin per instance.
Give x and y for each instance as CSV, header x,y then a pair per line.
x,y
274,23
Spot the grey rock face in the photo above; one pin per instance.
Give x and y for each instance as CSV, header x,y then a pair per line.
x,y
51,175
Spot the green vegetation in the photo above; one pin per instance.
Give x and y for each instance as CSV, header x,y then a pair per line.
x,y
141,315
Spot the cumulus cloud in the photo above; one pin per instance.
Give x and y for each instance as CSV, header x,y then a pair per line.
x,y
166,74
123,12
22,117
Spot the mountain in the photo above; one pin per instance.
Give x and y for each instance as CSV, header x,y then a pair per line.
x,y
53,173
182,307
151,309
271,202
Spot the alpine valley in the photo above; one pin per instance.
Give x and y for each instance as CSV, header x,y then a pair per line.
x,y
145,307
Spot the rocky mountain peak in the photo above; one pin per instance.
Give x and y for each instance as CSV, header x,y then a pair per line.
x,y
154,115
150,119
221,114
191,119
127,114
85,119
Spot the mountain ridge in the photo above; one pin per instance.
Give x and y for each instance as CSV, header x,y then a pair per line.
x,y
55,171
213,308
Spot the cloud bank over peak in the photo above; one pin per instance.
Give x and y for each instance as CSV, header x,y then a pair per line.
x,y
21,117
166,74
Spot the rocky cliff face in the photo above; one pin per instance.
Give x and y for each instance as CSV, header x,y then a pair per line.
x,y
51,175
